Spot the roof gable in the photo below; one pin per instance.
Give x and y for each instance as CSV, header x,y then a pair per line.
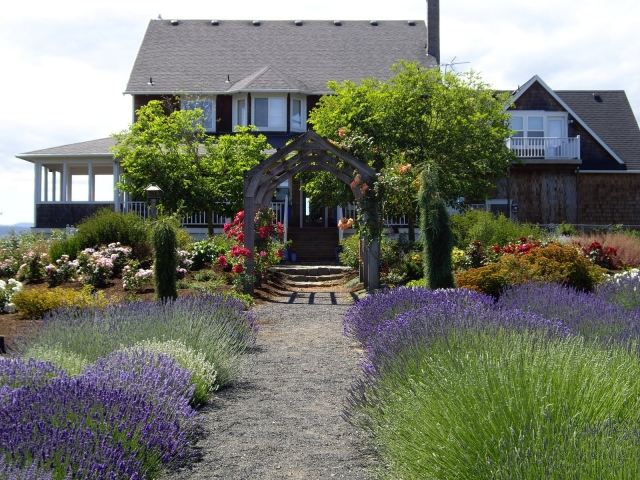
x,y
196,56
536,79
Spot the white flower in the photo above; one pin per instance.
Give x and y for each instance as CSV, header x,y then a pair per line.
x,y
10,308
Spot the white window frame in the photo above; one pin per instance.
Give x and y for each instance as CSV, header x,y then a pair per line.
x,y
282,126
303,113
198,98
545,114
234,111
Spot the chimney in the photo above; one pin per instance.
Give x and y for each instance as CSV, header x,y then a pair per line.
x,y
433,29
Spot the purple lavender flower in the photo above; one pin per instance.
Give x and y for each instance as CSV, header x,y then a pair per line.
x,y
14,472
362,319
156,376
18,373
584,313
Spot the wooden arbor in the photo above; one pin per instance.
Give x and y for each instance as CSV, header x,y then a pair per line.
x,y
309,152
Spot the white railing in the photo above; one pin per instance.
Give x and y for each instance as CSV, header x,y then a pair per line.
x,y
199,218
552,148
350,211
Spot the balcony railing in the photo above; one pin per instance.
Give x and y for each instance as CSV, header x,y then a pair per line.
x,y
547,148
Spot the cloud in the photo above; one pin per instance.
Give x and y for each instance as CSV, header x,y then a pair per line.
x,y
66,63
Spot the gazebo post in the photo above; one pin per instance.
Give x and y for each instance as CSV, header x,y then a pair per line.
x,y
249,213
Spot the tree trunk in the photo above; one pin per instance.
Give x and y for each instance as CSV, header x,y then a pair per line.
x,y
411,228
209,215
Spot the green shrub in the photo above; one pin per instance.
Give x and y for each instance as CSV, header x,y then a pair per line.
x,y
203,373
420,282
507,405
70,246
36,301
553,263
205,252
438,238
350,254
490,229
165,260
70,362
105,227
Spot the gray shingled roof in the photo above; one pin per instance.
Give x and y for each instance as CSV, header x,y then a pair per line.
x,y
195,56
91,148
612,119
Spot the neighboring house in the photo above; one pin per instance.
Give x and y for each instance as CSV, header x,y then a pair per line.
x,y
578,158
269,74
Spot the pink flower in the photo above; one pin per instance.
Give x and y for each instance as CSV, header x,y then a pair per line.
x,y
222,260
238,268
263,253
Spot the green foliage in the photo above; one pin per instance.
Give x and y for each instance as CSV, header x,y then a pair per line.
x,y
490,229
506,405
205,252
70,362
102,228
203,372
350,254
566,229
36,301
553,263
245,298
420,282
165,260
194,171
454,123
436,233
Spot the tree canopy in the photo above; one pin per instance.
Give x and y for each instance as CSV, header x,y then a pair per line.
x,y
194,170
452,123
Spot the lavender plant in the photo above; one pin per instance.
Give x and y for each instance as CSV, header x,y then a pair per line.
x,y
215,325
17,373
31,472
86,428
583,313
622,289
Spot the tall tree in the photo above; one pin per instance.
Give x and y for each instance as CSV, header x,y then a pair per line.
x,y
454,124
194,170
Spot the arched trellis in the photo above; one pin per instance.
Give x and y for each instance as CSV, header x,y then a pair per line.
x,y
308,152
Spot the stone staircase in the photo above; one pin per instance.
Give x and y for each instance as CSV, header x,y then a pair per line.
x,y
293,278
314,244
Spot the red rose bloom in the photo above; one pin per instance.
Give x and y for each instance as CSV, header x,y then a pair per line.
x,y
238,268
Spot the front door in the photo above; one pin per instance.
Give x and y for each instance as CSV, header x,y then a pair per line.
x,y
556,144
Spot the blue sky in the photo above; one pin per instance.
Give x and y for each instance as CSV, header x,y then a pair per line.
x,y
66,63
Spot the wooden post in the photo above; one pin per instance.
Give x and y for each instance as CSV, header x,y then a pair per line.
x,y
373,265
249,213
3,347
91,179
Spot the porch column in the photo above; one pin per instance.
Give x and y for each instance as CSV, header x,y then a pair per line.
x,y
116,192
91,179
45,197
53,185
64,181
37,185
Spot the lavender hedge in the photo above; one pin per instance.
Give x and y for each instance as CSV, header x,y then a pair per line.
x,y
215,325
125,417
583,313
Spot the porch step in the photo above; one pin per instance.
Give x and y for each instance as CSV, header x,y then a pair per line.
x,y
310,277
313,244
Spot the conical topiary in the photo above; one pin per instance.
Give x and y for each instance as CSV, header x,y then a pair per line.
x,y
165,260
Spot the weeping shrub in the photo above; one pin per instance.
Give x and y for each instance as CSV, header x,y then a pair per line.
x,y
437,234
166,260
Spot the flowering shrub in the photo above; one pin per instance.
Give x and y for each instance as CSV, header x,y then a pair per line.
x,y
184,263
203,373
626,245
32,267
268,247
16,373
521,247
206,252
63,270
552,263
606,257
94,267
8,267
622,289
7,290
135,279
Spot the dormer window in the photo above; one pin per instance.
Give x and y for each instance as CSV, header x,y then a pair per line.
x,y
208,107
269,112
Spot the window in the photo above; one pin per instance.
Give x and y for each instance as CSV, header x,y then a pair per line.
x,y
538,124
241,109
298,115
208,107
269,113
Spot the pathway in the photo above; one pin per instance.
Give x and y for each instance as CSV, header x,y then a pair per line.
x,y
282,420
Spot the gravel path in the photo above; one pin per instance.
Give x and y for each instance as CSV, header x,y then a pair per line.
x,y
282,419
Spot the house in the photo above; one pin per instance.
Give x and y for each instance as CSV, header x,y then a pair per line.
x,y
265,73
578,157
